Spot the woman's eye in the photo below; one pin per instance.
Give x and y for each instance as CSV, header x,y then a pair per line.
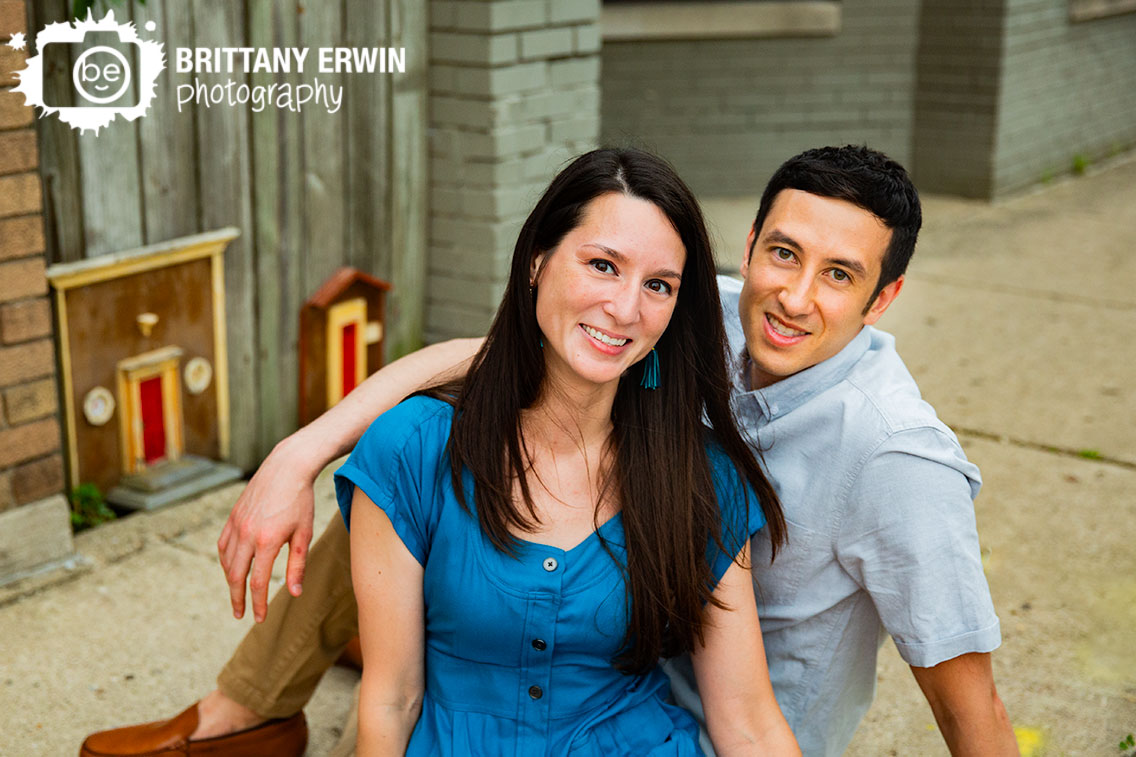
x,y
603,266
782,253
657,285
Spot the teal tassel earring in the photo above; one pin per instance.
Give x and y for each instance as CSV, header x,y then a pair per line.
x,y
650,371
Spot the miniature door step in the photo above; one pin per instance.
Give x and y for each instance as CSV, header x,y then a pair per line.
x,y
171,481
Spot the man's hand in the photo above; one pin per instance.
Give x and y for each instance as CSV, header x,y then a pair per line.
x,y
276,507
967,707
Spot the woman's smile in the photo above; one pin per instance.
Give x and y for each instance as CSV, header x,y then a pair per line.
x,y
606,292
609,343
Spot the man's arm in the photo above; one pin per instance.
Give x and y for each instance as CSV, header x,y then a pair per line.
x,y
967,707
910,538
277,505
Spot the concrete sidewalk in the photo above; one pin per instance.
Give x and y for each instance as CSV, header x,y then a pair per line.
x,y
1019,322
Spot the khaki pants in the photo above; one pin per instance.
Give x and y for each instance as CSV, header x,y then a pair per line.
x,y
279,663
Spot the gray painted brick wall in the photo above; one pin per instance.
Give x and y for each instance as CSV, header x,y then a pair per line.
x,y
514,93
1068,92
727,112
958,69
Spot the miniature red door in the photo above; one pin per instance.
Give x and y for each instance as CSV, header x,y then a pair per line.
x,y
350,336
153,420
346,348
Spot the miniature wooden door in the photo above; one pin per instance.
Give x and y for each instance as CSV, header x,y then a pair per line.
x,y
347,348
153,422
149,390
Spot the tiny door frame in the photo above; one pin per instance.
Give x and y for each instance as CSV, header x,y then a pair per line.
x,y
130,374
339,315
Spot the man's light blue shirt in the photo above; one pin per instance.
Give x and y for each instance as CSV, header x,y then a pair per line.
x,y
878,496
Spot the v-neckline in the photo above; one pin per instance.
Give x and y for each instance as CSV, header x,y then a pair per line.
x,y
594,534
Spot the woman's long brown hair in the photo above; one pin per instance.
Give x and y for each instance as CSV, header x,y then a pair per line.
x,y
660,473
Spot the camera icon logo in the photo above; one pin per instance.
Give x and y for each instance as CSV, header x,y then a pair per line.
x,y
108,67
113,72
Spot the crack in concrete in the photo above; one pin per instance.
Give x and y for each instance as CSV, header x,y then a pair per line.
x,y
20,595
1038,447
138,549
174,541
1045,294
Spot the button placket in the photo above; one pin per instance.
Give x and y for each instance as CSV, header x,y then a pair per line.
x,y
540,636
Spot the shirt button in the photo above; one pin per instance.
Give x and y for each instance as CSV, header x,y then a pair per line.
x,y
536,692
550,564
539,645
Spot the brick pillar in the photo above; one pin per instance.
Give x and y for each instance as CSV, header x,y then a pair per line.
x,y
34,525
514,93
958,78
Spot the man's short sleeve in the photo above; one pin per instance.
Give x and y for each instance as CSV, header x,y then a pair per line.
x,y
396,464
909,538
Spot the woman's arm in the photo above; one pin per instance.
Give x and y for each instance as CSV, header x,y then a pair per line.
x,y
742,715
388,588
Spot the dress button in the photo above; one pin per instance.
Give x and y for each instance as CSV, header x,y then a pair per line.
x,y
536,692
550,564
539,645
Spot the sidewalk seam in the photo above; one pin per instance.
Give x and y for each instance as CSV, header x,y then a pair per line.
x,y
1026,444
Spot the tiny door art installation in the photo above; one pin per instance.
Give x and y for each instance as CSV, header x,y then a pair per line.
x,y
341,339
144,369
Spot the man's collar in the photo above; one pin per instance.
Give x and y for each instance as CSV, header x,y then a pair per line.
x,y
793,391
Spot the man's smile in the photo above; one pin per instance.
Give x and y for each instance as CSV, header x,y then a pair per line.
x,y
781,333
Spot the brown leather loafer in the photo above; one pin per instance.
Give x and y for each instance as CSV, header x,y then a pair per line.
x,y
286,737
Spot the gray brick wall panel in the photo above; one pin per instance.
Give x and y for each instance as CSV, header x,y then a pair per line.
x,y
500,127
498,15
755,102
524,77
480,49
586,39
1069,92
481,294
958,80
561,11
547,43
565,73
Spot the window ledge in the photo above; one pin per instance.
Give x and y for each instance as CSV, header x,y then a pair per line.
x,y
720,20
1085,10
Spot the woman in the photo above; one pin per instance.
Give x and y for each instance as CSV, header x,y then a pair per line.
x,y
577,507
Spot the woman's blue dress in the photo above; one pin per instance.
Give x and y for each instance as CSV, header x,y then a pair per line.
x,y
519,649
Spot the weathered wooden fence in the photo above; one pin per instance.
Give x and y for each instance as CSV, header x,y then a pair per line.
x,y
310,191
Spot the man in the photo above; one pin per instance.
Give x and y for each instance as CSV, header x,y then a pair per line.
x,y
877,492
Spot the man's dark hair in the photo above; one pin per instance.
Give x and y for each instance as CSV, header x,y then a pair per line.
x,y
864,177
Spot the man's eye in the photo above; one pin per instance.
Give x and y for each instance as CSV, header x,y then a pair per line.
x,y
782,253
603,266
839,275
660,286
